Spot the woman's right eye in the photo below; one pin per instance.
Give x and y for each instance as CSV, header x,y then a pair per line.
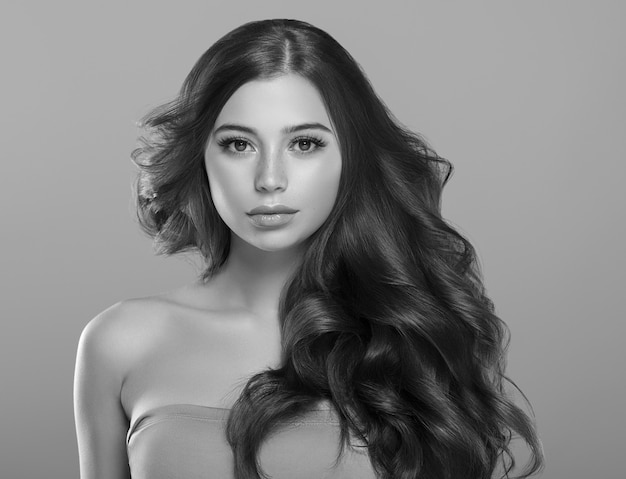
x,y
235,145
240,145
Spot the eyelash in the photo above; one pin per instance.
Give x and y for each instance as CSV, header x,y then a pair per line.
x,y
318,142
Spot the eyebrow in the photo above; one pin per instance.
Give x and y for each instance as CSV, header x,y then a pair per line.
x,y
287,130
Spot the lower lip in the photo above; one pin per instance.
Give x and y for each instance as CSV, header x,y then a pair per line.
x,y
270,221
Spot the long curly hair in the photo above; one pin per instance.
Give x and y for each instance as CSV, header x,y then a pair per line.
x,y
386,316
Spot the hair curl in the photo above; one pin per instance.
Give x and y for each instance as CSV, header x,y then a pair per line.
x,y
387,316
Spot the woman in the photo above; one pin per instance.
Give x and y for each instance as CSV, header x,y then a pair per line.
x,y
340,328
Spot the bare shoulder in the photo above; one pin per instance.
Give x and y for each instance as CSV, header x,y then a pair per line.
x,y
126,317
120,326
159,349
108,348
116,337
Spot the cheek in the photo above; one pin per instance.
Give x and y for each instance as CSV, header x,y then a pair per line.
x,y
330,185
324,189
225,187
332,177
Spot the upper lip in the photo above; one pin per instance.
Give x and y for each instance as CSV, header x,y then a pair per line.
x,y
271,210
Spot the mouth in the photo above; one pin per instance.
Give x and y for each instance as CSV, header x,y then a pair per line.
x,y
271,210
271,216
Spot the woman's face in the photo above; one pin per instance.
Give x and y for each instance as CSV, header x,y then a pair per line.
x,y
273,146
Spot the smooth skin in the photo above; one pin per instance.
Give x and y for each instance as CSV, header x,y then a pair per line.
x,y
273,143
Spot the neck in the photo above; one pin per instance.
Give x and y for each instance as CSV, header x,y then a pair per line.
x,y
253,279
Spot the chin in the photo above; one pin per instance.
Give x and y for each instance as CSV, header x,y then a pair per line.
x,y
273,241
275,246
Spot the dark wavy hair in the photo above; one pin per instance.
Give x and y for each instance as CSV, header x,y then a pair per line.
x,y
386,317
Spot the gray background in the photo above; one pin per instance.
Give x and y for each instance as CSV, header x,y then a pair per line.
x,y
526,98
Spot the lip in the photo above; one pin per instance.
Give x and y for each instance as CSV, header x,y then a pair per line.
x,y
271,221
271,210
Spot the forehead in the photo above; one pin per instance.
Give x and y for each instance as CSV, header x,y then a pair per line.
x,y
274,103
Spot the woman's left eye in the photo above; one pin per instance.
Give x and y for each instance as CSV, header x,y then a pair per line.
x,y
306,145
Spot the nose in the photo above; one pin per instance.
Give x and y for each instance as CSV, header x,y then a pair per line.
x,y
271,174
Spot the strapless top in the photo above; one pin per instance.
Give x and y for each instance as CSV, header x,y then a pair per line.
x,y
187,441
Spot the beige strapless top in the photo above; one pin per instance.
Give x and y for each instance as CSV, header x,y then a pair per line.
x,y
187,441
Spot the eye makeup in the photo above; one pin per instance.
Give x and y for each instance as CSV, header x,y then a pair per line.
x,y
307,144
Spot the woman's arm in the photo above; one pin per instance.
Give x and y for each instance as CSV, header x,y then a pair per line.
x,y
101,423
